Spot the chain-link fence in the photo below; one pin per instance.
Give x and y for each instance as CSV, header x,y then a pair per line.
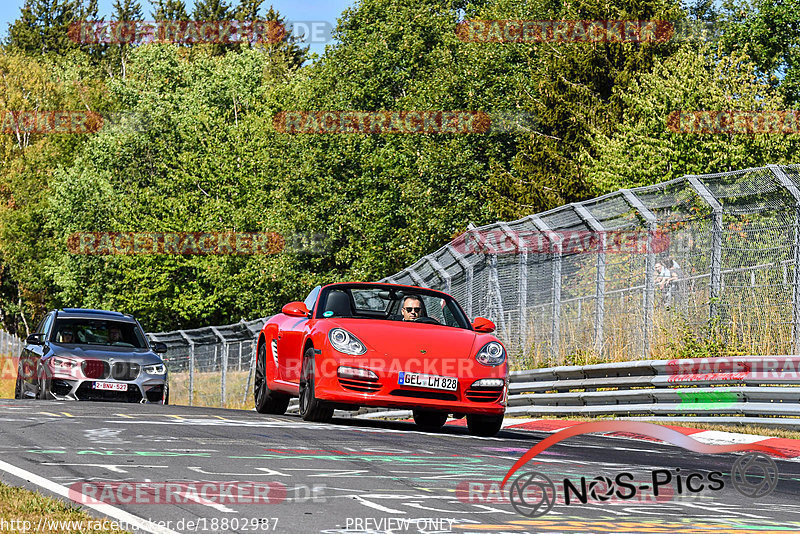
x,y
10,349
636,273
211,366
633,274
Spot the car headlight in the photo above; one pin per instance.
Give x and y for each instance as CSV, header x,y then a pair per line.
x,y
64,363
157,369
345,342
492,354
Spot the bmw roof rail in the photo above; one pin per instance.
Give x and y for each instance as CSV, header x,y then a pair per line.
x,y
90,311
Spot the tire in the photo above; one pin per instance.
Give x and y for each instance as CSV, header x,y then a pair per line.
x,y
484,425
311,409
18,385
43,389
166,398
266,401
430,421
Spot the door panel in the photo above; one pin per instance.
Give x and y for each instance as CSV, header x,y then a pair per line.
x,y
290,347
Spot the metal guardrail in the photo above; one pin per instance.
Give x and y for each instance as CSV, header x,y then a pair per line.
x,y
754,387
756,390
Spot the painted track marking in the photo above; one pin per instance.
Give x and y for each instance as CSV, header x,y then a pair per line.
x,y
105,509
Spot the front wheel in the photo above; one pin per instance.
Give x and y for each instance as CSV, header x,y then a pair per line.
x,y
484,425
429,421
267,401
43,389
311,408
18,385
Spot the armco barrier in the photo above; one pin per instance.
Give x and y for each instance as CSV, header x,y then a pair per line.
x,y
756,390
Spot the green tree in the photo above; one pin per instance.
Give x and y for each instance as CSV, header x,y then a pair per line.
x,y
212,10
43,26
769,32
170,10
643,151
573,89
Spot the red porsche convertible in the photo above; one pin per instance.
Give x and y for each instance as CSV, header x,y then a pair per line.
x,y
368,344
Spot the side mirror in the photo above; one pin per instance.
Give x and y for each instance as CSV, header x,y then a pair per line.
x,y
295,309
481,324
35,339
159,347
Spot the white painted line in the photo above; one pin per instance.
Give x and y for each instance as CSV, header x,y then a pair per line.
x,y
205,502
114,468
377,506
717,437
105,509
266,472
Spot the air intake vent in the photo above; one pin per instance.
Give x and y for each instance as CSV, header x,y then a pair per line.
x,y
95,369
362,385
484,394
125,371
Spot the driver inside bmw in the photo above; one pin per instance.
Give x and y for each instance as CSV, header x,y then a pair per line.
x,y
411,308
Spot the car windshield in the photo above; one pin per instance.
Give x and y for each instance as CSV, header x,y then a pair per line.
x,y
388,303
98,332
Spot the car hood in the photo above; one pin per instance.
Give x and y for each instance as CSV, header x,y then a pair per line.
x,y
96,352
391,337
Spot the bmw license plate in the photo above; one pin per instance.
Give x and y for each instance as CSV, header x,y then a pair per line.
x,y
111,386
428,381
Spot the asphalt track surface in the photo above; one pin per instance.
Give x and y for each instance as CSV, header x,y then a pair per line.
x,y
355,476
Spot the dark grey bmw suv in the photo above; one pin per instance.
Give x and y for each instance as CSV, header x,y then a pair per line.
x,y
81,354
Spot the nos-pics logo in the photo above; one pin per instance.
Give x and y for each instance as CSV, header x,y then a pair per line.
x,y
533,494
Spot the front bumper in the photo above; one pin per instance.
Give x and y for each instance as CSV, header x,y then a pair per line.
x,y
387,392
144,390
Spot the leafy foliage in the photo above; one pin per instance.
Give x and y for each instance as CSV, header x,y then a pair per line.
x,y
189,142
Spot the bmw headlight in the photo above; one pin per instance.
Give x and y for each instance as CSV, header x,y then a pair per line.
x,y
345,342
492,354
157,369
63,363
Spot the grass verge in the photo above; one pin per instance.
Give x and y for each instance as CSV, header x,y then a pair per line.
x,y
52,515
208,390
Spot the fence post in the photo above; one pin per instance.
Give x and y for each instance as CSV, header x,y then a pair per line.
x,y
250,371
415,277
495,297
555,327
716,243
521,250
523,296
651,223
191,365
600,275
784,181
441,272
223,365
467,266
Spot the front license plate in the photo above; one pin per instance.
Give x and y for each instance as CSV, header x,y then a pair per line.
x,y
111,386
447,383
